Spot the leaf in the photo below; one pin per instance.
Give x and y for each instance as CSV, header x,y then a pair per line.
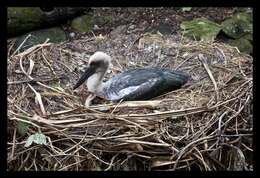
x,y
22,128
59,88
38,99
29,72
186,9
37,138
201,29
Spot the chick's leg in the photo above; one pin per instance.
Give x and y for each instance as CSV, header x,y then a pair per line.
x,y
89,99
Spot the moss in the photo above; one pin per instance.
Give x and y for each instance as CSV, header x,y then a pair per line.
x,y
238,25
108,19
243,44
23,18
83,23
55,35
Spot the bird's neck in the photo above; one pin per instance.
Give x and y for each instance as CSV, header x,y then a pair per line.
x,y
95,83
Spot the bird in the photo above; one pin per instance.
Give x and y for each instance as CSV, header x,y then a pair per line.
x,y
134,84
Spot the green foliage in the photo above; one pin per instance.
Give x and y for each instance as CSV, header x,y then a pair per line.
x,y
22,128
37,138
186,9
201,29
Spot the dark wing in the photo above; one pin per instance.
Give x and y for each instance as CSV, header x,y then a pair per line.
x,y
143,84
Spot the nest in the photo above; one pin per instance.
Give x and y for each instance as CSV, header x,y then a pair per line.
x,y
205,125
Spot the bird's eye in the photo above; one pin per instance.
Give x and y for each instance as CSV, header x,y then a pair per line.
x,y
92,64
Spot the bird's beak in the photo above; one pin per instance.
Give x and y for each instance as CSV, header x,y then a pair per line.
x,y
88,72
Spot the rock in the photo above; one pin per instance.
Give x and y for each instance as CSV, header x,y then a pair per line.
x,y
131,28
238,25
239,28
25,19
164,28
55,35
121,29
243,44
200,29
72,34
83,23
96,27
102,20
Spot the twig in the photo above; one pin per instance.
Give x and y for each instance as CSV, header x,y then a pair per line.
x,y
13,146
181,153
25,39
203,60
39,99
34,80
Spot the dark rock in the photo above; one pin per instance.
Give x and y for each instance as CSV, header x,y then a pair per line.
x,y
238,25
83,23
55,35
25,19
243,44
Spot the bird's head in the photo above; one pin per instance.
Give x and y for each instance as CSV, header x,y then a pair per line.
x,y
98,64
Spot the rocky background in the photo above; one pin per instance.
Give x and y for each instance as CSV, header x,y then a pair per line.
x,y
231,25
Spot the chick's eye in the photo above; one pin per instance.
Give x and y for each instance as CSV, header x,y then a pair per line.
x,y
95,64
92,64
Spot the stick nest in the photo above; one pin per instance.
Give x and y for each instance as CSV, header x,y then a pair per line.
x,y
205,125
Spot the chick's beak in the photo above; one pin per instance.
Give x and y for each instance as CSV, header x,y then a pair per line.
x,y
88,72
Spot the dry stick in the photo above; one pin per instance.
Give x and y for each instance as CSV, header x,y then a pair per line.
x,y
187,146
53,122
183,62
222,53
30,67
64,112
85,135
21,66
52,147
49,65
180,112
83,148
24,161
129,104
219,126
10,49
203,60
233,116
20,109
39,46
39,99
46,86
111,162
33,81
28,122
240,153
28,36
71,165
38,96
123,119
147,143
116,107
13,147
201,158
